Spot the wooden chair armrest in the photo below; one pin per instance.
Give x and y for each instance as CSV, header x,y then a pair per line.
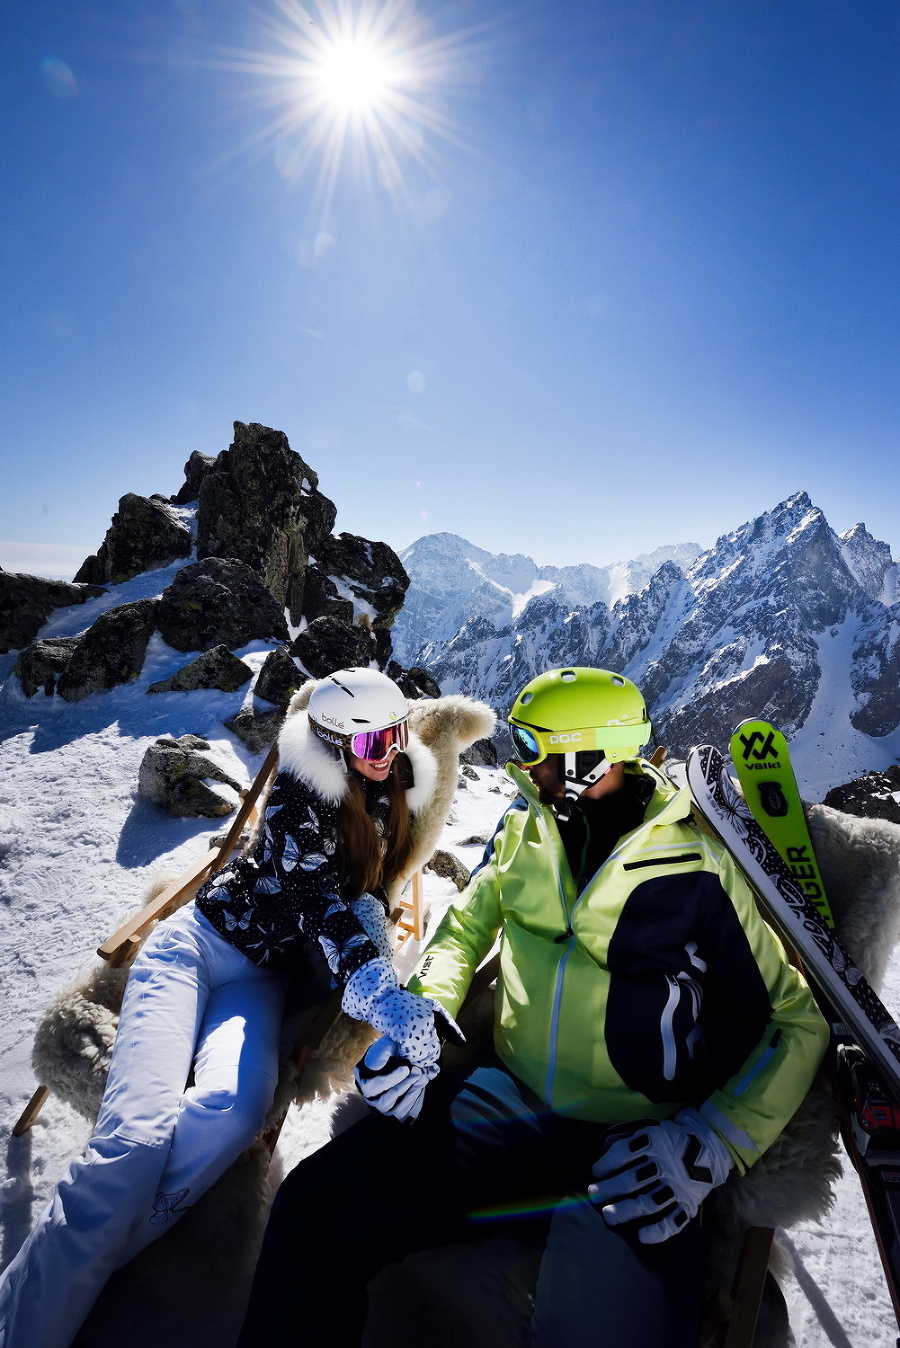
x,y
123,942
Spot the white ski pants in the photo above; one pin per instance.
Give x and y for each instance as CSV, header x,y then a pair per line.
x,y
191,1000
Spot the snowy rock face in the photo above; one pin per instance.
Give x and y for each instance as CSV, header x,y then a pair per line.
x,y
777,614
876,795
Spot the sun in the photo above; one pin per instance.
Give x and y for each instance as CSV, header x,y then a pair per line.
x,y
356,76
355,89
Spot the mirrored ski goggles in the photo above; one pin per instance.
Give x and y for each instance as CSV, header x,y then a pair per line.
x,y
526,746
373,745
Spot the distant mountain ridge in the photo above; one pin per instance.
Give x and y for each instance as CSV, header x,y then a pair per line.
x,y
454,582
781,617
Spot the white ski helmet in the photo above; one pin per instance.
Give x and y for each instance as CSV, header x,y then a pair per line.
x,y
348,707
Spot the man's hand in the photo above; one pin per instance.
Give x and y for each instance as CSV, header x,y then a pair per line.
x,y
654,1175
389,1083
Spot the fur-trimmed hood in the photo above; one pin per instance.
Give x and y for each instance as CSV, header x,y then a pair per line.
x,y
439,729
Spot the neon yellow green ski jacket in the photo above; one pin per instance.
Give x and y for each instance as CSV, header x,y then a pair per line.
x,y
659,985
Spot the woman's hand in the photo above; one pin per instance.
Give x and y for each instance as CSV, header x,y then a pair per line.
x,y
398,1066
373,993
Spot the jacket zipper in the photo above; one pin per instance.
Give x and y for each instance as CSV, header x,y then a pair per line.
x,y
568,936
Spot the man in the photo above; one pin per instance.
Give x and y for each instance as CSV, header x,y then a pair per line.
x,y
649,1036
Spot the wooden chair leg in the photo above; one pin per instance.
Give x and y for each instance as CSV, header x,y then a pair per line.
x,y
738,1311
411,913
31,1111
747,1290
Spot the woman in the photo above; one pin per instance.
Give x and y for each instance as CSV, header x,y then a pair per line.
x,y
205,996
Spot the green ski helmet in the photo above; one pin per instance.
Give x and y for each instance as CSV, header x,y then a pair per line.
x,y
591,717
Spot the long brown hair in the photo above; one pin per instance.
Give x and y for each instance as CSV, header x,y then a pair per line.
x,y
366,859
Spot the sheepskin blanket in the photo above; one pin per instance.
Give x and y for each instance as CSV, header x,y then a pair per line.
x,y
479,1293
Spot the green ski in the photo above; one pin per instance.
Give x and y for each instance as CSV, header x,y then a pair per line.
x,y
762,762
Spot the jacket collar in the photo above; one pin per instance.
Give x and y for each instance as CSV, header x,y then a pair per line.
x,y
667,805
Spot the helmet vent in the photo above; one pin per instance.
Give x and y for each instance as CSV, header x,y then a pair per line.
x,y
526,698
568,676
618,680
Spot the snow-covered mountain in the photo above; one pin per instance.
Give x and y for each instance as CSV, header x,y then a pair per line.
x,y
782,617
453,582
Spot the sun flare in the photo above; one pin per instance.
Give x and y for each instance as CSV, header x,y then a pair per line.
x,y
356,88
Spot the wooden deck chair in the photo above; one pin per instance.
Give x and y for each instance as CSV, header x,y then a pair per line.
x,y
124,942
410,917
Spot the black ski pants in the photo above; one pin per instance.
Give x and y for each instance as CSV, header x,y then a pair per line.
x,y
484,1150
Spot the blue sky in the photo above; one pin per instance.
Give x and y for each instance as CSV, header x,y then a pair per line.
x,y
646,289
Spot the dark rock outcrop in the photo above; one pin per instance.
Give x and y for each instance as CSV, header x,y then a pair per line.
x,y
195,470
145,534
110,652
279,678
322,599
216,668
872,796
258,504
481,754
320,514
40,664
371,571
415,682
173,774
218,601
26,603
257,729
327,645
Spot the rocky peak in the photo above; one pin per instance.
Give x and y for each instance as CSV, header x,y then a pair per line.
x,y
259,515
145,534
195,470
758,624
870,563
249,508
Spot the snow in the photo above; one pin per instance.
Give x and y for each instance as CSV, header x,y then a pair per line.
x,y
827,750
77,849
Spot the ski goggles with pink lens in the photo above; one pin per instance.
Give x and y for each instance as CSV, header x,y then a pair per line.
x,y
374,745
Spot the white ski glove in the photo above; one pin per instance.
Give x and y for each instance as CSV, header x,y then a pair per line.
x,y
389,1084
654,1175
373,993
